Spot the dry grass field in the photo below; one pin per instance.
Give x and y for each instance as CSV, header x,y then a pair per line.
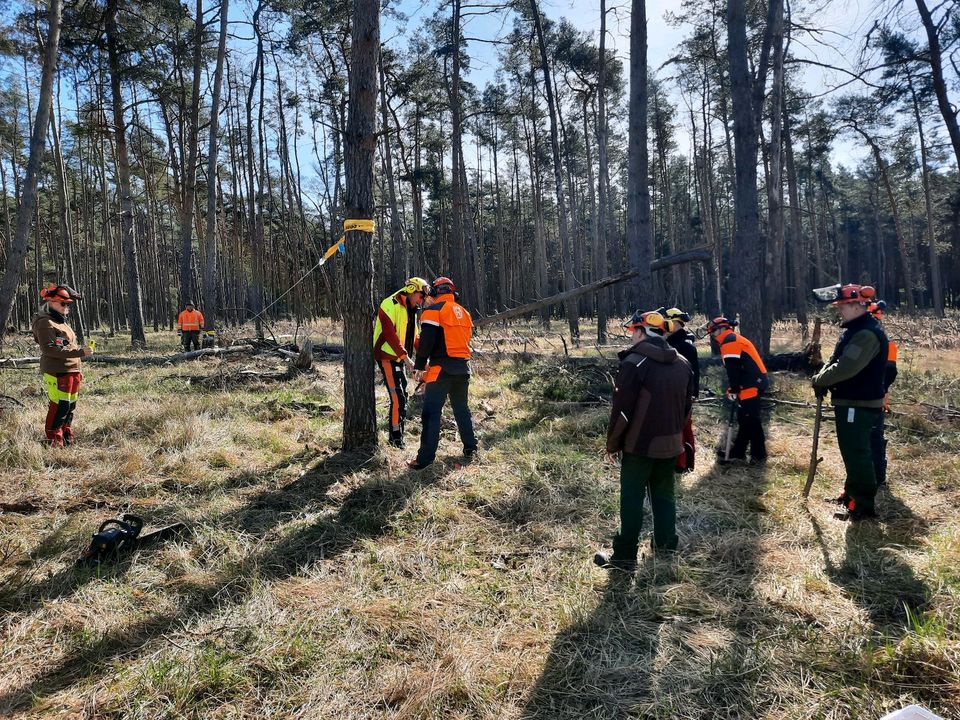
x,y
317,584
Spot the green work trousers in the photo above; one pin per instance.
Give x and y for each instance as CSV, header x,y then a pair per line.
x,y
854,426
637,473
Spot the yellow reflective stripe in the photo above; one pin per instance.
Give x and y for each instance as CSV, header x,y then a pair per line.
x,y
54,393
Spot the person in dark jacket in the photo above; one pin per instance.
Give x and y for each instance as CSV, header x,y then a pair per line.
x,y
855,376
60,356
683,341
651,404
878,437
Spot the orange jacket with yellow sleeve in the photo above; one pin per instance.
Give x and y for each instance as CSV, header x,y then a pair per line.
x,y
746,371
445,331
190,320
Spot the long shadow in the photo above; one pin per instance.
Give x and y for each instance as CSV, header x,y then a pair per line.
x,y
366,512
873,573
611,664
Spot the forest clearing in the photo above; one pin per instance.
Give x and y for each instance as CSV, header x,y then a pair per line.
x,y
322,584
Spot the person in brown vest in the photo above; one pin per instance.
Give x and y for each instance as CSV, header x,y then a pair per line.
x,y
60,356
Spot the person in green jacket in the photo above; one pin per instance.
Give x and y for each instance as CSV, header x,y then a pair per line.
x,y
854,375
396,333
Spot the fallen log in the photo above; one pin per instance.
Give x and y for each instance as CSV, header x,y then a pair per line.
x,y
700,254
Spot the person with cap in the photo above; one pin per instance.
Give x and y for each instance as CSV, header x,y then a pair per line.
x,y
396,333
855,377
189,326
446,330
746,382
60,357
878,438
683,341
652,400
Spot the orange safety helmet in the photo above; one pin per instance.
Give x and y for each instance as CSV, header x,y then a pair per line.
x,y
59,293
649,321
442,286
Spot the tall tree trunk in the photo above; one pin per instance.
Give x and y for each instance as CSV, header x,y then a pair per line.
x,y
566,258
28,203
604,222
936,283
127,234
359,412
939,85
639,232
254,212
775,242
190,171
399,266
210,295
744,296
798,258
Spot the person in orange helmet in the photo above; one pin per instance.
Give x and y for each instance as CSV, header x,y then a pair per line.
x,y
60,356
855,377
747,381
189,326
445,332
878,439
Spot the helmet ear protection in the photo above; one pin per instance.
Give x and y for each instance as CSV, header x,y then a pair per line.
x,y
718,323
59,293
652,322
442,286
416,284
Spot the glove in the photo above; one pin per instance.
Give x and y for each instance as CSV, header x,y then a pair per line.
x,y
179,333
886,403
731,395
820,392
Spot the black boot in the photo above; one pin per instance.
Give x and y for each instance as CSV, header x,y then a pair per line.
x,y
623,557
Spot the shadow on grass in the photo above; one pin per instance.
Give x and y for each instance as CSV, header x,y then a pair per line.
x,y
639,653
873,573
365,512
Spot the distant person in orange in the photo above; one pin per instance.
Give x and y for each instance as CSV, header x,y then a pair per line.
x,y
60,356
189,326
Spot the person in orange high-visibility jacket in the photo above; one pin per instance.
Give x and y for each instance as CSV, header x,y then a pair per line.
x,y
189,325
878,437
747,381
446,329
396,332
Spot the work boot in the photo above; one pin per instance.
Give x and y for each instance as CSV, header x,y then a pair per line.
x,y
414,465
55,438
852,512
609,560
68,438
469,454
396,442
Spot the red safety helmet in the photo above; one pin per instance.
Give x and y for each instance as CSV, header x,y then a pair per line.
x,y
877,309
442,286
59,293
845,294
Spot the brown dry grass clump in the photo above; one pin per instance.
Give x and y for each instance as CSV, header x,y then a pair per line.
x,y
318,584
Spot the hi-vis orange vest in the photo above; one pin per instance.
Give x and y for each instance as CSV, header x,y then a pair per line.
x,y
190,320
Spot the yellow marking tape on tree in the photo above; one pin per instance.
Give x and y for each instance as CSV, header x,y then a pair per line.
x,y
348,226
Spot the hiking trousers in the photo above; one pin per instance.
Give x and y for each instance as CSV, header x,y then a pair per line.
x,y
434,397
637,475
854,428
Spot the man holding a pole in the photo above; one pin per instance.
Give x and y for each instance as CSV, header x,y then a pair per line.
x,y
854,376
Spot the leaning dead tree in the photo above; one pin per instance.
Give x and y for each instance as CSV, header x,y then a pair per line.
x,y
701,255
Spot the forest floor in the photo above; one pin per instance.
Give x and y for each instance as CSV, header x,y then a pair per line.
x,y
317,584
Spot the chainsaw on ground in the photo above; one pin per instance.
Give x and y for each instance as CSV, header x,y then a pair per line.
x,y
115,537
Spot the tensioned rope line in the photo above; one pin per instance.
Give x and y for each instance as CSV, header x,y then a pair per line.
x,y
368,226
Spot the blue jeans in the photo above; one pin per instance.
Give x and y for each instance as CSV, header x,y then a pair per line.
x,y
434,397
